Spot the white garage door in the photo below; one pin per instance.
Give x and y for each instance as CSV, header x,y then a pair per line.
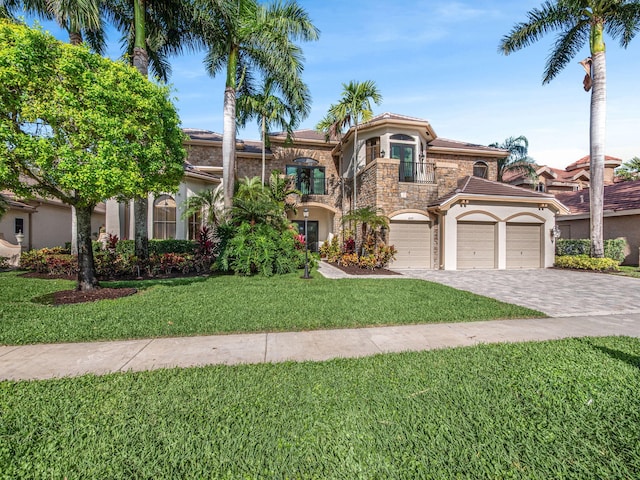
x,y
524,245
413,243
476,245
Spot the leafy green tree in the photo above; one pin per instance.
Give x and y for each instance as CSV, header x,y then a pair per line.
x,y
84,137
629,170
246,39
518,160
285,111
4,206
578,22
353,108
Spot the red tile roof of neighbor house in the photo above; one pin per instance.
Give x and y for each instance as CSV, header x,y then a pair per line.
x,y
584,162
480,186
617,197
248,146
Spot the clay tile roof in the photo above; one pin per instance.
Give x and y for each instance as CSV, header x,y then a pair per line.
x,y
395,116
585,161
482,187
304,134
617,197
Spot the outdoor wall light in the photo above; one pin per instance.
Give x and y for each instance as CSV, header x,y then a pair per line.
x,y
382,152
306,276
555,232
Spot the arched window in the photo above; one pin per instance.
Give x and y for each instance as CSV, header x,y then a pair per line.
x,y
164,217
480,169
402,137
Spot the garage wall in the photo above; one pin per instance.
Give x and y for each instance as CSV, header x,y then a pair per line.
x,y
501,215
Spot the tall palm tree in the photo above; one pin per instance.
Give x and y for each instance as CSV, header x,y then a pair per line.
x,y
578,22
245,38
272,109
353,108
367,217
518,160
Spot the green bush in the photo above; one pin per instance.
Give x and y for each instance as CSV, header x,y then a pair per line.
x,y
613,248
261,250
584,262
127,247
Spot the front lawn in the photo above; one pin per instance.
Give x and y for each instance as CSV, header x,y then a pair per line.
x,y
225,304
628,271
557,409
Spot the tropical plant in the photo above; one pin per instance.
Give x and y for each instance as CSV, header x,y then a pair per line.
x,y
366,217
207,202
61,138
282,191
518,160
246,38
353,108
285,110
578,22
629,170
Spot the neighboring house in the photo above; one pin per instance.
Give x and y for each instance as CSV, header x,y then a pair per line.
x,y
573,178
43,222
445,208
621,215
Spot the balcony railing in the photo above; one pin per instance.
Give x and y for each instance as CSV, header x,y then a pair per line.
x,y
417,172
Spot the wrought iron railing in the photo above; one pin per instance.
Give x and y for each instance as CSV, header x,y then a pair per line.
x,y
316,186
417,172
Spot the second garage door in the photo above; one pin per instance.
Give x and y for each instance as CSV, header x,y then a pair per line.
x,y
476,246
524,242
413,243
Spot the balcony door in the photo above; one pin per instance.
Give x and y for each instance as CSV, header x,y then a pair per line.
x,y
406,155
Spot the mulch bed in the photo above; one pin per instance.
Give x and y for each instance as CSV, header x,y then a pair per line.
x,y
353,270
67,297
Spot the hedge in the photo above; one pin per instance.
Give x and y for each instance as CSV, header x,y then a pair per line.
x,y
585,262
127,247
613,249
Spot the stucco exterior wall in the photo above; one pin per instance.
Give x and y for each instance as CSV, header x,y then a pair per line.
x,y
500,214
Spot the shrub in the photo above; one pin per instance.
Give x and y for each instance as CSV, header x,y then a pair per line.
x,y
331,250
4,263
349,245
348,259
127,247
613,248
584,262
260,250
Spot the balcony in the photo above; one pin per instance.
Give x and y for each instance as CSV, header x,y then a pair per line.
x,y
312,186
417,172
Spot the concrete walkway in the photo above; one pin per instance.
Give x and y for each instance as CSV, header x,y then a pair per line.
x,y
612,318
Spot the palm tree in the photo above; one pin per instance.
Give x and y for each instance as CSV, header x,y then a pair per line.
x,y
245,39
270,109
367,217
208,202
353,108
518,159
579,21
629,170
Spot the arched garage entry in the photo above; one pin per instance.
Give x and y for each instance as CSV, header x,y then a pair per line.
x,y
410,233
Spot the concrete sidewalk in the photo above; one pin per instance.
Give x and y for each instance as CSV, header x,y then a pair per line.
x,y
73,359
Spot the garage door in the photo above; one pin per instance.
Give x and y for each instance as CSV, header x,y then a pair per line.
x,y
413,243
476,245
524,244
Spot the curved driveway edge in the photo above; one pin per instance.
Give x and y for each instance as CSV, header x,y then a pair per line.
x,y
556,292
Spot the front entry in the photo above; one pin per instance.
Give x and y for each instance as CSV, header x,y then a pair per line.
x,y
311,234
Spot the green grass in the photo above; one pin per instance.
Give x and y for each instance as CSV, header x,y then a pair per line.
x,y
225,304
627,271
558,409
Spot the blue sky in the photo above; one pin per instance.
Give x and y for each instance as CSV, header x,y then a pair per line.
x,y
438,60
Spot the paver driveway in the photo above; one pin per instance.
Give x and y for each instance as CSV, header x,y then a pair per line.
x,y
558,293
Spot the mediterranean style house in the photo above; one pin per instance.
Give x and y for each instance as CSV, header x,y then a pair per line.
x,y
445,208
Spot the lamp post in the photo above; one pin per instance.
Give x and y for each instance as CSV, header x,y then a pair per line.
x,y
305,212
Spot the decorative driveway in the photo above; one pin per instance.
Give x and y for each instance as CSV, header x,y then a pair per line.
x,y
558,293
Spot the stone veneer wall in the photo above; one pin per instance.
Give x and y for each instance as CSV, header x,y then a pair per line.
x,y
204,155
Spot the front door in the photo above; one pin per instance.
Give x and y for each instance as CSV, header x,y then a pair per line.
x,y
312,233
404,153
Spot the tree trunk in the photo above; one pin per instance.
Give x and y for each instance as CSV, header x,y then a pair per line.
x,y
229,146
140,61
355,180
597,138
75,38
74,231
140,210
86,268
264,136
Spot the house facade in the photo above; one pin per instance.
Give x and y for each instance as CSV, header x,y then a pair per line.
x,y
445,208
621,207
